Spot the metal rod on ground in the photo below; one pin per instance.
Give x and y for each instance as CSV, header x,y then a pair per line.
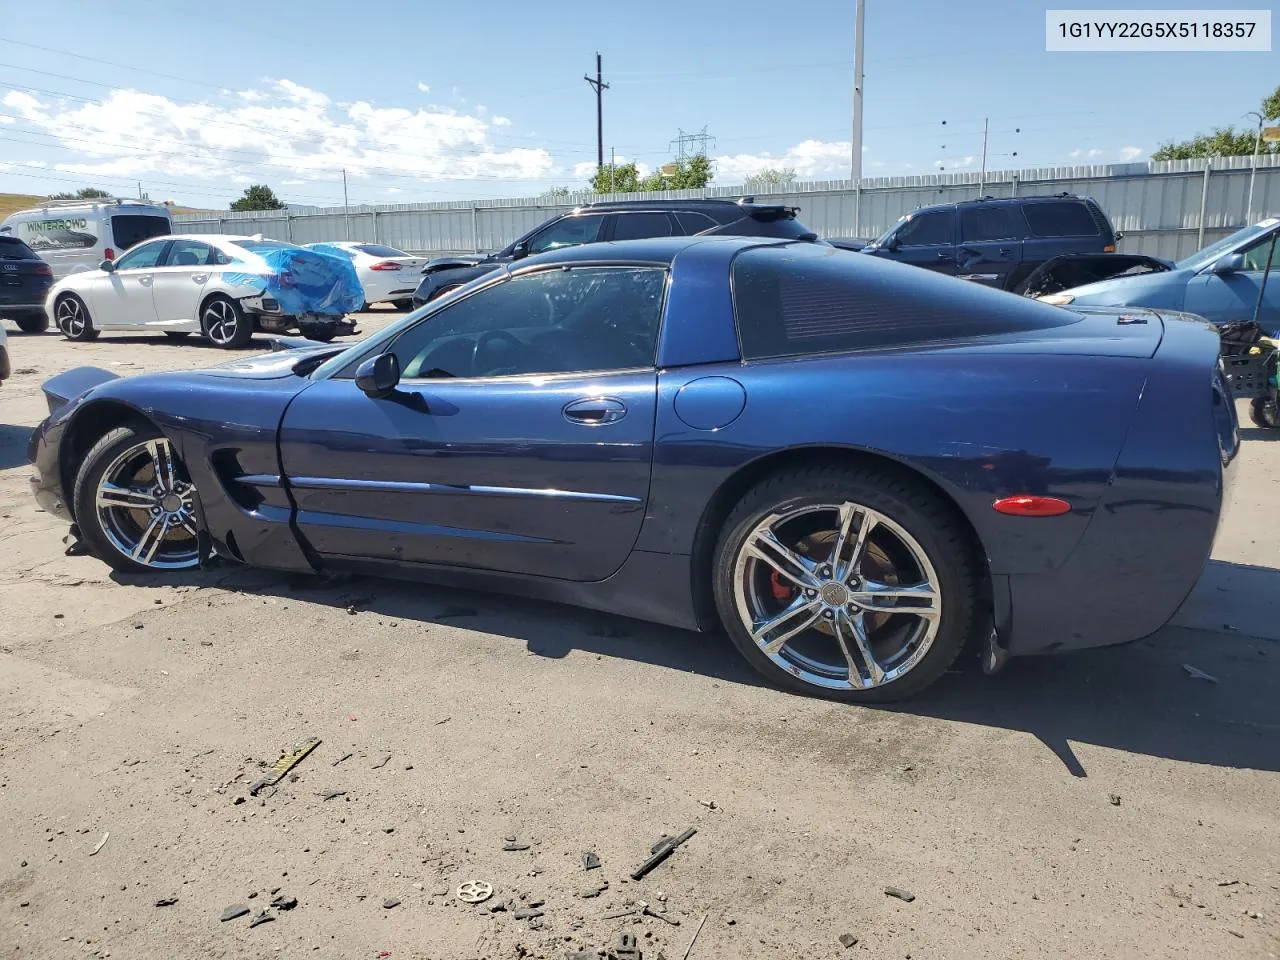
x,y
1253,169
859,20
689,948
1266,272
346,212
661,852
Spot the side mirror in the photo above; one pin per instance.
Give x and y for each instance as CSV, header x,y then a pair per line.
x,y
107,266
520,250
893,243
379,376
1231,263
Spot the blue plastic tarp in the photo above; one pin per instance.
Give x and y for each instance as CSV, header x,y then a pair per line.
x,y
306,281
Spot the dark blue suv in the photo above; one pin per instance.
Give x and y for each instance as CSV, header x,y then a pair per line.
x,y
998,242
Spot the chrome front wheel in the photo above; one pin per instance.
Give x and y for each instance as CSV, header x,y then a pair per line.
x,y
865,595
71,317
225,324
135,504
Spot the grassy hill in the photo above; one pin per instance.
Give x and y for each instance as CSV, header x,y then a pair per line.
x,y
10,202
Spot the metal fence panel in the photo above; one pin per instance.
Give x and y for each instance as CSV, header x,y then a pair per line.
x,y
1167,209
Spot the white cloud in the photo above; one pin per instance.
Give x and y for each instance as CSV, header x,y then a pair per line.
x,y
241,178
6,120
393,190
291,183
1080,152
501,122
423,88
37,164
1130,153
284,129
810,159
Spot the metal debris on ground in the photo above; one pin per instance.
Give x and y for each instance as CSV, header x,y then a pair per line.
x,y
233,912
1196,674
847,940
263,917
627,948
166,902
709,804
1115,799
528,913
443,720
390,903
588,893
332,794
660,851
101,843
589,860
512,846
1221,883
474,891
282,766
904,895
648,911
689,948
284,903
630,911
345,756
383,762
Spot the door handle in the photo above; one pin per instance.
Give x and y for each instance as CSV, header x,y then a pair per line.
x,y
144,280
199,277
595,411
945,256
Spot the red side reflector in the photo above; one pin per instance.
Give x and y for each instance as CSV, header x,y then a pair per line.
x,y
108,254
1031,506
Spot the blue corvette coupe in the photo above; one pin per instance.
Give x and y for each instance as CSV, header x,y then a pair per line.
x,y
855,467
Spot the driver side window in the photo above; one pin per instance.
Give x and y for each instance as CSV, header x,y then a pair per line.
x,y
1255,258
567,232
579,320
142,257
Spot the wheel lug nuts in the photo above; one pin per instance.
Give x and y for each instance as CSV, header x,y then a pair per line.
x,y
811,593
829,614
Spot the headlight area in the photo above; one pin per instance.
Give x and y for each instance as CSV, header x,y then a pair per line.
x,y
1057,299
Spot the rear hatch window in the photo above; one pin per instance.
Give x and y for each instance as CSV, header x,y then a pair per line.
x,y
1060,218
11,248
129,229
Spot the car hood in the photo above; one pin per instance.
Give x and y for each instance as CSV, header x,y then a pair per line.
x,y
461,260
1160,290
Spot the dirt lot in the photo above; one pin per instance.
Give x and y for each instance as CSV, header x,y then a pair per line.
x,y
1101,805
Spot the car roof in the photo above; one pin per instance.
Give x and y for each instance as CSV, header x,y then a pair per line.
x,y
662,250
718,204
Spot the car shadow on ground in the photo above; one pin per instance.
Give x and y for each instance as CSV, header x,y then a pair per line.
x,y
1139,698
13,445
1257,433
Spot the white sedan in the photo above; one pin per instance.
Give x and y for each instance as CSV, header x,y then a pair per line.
x,y
223,287
388,275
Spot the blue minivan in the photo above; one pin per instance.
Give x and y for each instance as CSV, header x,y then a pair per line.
x,y
997,241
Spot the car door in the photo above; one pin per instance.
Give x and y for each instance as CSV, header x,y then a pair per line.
x,y
178,283
519,439
926,240
568,231
122,297
990,247
1224,297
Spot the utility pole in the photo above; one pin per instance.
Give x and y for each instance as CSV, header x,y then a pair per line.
x,y
613,167
860,19
1253,169
982,177
346,212
600,87
140,197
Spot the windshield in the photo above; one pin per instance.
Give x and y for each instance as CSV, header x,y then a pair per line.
x,y
1212,252
884,237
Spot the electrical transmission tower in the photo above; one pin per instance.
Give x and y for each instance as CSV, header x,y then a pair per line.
x,y
683,144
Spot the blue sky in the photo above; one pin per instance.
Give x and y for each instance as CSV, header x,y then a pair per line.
x,y
434,101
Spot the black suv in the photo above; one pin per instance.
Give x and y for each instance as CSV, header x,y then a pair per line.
x,y
623,220
998,242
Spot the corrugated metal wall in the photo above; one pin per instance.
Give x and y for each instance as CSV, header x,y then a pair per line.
x,y
1167,209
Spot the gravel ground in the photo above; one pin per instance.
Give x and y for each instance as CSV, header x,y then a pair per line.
x,y
1102,805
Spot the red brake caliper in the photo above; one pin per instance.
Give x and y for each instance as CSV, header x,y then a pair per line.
x,y
782,589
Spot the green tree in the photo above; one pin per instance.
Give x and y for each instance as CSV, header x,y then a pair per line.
x,y
258,197
84,193
1224,141
690,174
771,178
556,192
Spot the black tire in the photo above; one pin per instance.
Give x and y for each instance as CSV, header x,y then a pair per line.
x,y
437,294
177,334
96,462
1263,413
73,318
32,323
219,314
922,514
404,305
